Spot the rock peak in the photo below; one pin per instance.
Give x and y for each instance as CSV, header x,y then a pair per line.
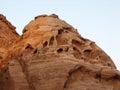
x,y
44,15
52,55
48,32
7,35
4,20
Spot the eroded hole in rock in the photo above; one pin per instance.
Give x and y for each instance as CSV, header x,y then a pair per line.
x,y
67,28
1,57
82,57
45,44
60,50
66,31
115,77
28,46
60,31
109,64
77,43
25,30
51,41
97,76
76,53
87,51
97,58
74,48
35,51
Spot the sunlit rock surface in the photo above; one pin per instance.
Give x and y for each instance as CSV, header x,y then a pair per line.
x,y
52,55
7,35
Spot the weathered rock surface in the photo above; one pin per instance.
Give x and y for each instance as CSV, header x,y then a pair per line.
x,y
7,35
51,55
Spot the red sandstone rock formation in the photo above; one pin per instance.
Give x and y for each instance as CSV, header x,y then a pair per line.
x,y
7,35
51,55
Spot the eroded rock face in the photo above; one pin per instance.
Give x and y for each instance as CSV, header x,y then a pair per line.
x,y
51,55
7,36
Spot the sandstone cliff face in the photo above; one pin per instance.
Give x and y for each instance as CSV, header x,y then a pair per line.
x,y
7,35
51,55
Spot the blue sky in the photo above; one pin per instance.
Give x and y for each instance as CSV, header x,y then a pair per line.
x,y
98,20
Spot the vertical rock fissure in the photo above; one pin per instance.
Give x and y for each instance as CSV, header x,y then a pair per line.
x,y
80,68
75,68
24,69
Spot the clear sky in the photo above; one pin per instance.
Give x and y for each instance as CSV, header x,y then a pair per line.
x,y
98,20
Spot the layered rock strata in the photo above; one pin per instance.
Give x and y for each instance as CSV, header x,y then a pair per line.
x,y
52,55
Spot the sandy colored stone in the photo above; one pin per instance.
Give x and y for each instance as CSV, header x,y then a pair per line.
x,y
52,55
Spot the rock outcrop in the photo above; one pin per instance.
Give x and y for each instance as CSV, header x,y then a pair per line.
x,y
52,55
7,35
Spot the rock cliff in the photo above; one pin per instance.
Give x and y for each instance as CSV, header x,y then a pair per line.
x,y
7,35
52,55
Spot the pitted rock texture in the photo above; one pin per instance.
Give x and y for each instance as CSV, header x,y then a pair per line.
x,y
52,55
48,34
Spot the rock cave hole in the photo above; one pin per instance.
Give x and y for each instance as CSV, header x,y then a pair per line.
x,y
28,46
1,57
76,53
82,57
97,76
25,30
6,69
69,29
77,43
97,58
60,31
35,51
45,44
51,41
87,51
59,40
60,50
66,31
109,64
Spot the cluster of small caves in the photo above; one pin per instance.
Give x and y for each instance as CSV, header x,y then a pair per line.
x,y
68,43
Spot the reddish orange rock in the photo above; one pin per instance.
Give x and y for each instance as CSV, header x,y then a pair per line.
x,y
7,35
